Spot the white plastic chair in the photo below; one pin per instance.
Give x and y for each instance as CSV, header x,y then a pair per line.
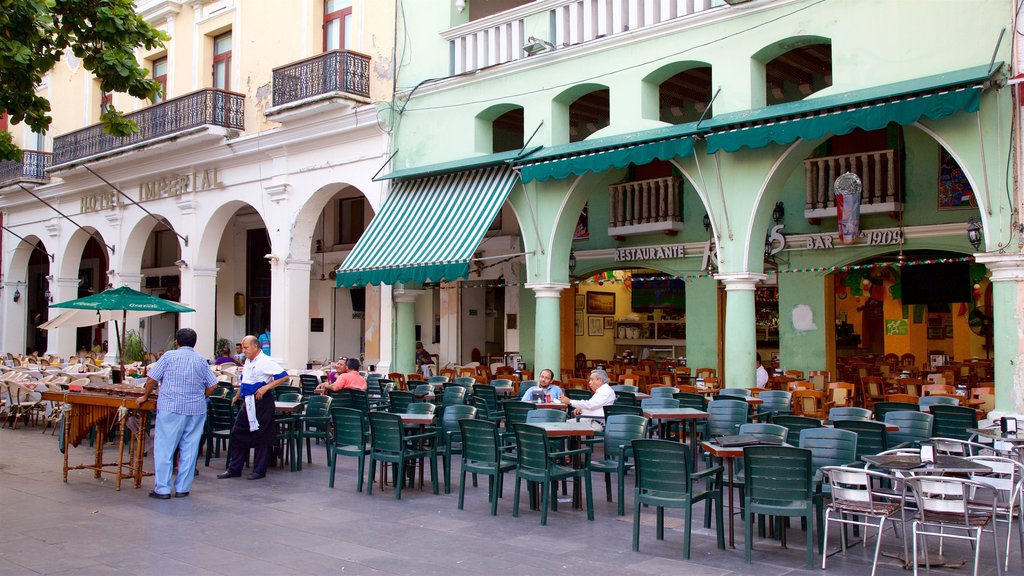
x,y
1006,480
855,501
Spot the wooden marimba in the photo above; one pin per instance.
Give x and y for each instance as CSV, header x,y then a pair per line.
x,y
104,411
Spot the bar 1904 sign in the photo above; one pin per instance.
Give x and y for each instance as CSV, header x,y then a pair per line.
x,y
870,237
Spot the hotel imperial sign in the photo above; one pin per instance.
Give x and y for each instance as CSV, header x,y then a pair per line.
x,y
163,187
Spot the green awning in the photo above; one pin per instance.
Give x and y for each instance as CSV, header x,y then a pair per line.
x,y
460,165
602,154
873,108
428,228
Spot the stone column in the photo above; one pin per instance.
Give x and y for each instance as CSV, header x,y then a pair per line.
x,y
1008,344
204,301
62,340
405,329
547,321
740,335
290,341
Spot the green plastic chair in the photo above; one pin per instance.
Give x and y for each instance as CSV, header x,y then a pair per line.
x,y
779,483
726,416
697,402
732,397
526,385
619,431
437,379
626,388
796,424
482,454
350,434
665,479
757,430
285,389
613,409
576,394
741,392
914,427
666,429
953,421
625,398
663,391
929,401
308,384
449,438
535,463
872,437
220,418
883,408
849,413
487,403
399,401
774,403
545,415
289,396
829,447
465,381
454,396
314,424
390,444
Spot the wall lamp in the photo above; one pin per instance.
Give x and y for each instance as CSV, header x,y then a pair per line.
x,y
181,264
17,295
778,213
536,45
572,261
48,296
707,222
974,232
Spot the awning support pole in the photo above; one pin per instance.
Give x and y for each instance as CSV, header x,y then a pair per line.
x,y
66,217
34,246
132,200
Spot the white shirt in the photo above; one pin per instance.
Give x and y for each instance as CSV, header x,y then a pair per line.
x,y
762,377
260,369
604,396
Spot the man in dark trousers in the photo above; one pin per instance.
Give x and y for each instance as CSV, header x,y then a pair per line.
x,y
254,426
185,381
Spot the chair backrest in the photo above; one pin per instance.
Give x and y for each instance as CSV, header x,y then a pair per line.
x,y
742,392
454,395
929,401
620,430
421,408
317,406
437,379
465,380
515,412
1005,477
355,399
480,440
308,384
943,498
853,488
386,432
544,415
615,409
659,402
626,388
662,467
776,401
914,426
349,427
953,421
663,391
624,397
526,385
883,408
841,393
399,401
221,415
849,413
778,473
730,397
725,416
576,384
706,373
688,400
487,394
830,446
290,396
809,403
574,394
871,436
451,416
531,447
766,431
422,389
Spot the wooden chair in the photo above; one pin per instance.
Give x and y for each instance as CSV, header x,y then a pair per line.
x,y
667,379
986,393
908,360
576,384
482,374
688,389
904,398
779,382
872,389
798,374
841,393
810,403
706,373
891,358
938,389
568,373
795,385
911,386
711,384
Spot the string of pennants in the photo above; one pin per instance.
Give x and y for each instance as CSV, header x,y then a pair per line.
x,y
610,278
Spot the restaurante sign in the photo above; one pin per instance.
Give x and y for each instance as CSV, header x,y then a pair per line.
x,y
649,253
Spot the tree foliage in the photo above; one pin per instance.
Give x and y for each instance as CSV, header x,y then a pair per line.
x,y
103,34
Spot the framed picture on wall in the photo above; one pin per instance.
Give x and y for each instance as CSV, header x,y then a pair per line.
x,y
581,299
955,190
609,323
595,326
601,303
936,333
949,331
579,322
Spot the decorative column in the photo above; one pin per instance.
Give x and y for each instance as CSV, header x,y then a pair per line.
x,y
291,339
1008,345
204,301
16,319
740,336
61,341
547,333
405,329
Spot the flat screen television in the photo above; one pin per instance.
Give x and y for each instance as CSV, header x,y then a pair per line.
x,y
653,292
936,283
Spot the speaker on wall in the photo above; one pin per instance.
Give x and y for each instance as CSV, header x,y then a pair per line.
x,y
358,299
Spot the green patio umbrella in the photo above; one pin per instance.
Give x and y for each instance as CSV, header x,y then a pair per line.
x,y
130,303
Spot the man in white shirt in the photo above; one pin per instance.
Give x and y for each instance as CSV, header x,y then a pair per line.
x,y
761,375
594,406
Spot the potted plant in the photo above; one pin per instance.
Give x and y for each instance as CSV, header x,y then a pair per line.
x,y
134,351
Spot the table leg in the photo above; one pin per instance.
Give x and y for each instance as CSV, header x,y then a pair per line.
x,y
732,533
101,440
69,418
138,457
693,441
120,453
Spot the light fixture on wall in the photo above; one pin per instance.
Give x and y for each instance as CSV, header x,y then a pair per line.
x,y
460,5
572,261
779,212
536,45
974,232
181,264
707,222
17,295
48,296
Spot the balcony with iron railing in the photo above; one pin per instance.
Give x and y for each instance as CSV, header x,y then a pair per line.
x,y
644,207
336,73
879,172
206,107
31,169
501,37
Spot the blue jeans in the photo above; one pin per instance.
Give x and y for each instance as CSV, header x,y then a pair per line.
x,y
174,432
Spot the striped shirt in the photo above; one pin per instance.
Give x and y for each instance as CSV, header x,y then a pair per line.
x,y
184,377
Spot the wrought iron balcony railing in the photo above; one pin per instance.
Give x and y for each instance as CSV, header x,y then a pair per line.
x,y
879,173
645,207
207,107
32,168
334,71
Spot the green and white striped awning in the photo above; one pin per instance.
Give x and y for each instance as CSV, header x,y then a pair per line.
x,y
428,229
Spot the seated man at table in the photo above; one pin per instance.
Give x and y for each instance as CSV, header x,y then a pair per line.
x,y
594,406
545,387
347,377
760,374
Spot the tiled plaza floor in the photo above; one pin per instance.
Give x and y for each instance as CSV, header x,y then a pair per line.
x,y
292,523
